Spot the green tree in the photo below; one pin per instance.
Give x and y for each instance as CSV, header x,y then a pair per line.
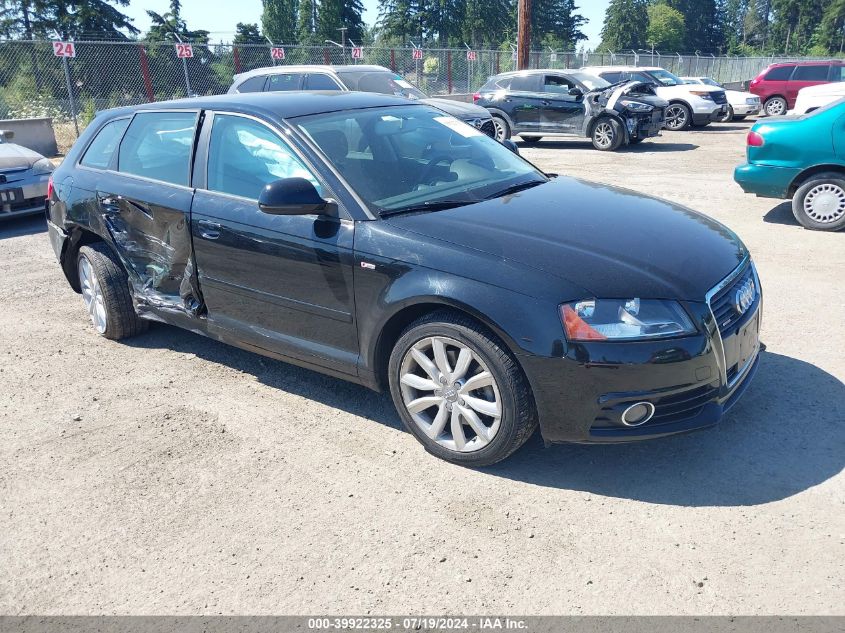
x,y
278,20
555,24
166,27
248,34
486,22
666,28
26,19
306,22
702,24
91,19
334,15
794,24
830,36
625,25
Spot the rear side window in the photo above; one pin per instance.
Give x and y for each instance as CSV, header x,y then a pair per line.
x,y
557,84
320,82
283,83
253,84
496,84
101,149
158,145
837,73
611,77
811,73
781,73
526,83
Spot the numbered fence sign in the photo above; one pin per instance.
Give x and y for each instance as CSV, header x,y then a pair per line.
x,y
64,49
417,54
553,58
357,53
471,56
277,52
184,51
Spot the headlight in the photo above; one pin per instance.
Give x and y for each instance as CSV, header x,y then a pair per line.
x,y
624,319
42,166
636,106
752,101
703,94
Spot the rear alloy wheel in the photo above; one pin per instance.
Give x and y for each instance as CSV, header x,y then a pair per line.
x,y
727,117
678,117
105,291
775,106
607,135
459,392
819,204
502,129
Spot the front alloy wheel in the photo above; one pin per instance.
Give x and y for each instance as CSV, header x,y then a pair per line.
x,y
501,128
678,117
450,394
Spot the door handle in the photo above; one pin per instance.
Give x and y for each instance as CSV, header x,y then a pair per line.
x,y
209,230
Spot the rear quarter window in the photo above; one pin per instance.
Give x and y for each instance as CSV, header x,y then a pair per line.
x,y
158,145
101,149
253,84
781,73
611,77
527,83
811,73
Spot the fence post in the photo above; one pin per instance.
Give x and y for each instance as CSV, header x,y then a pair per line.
x,y
498,64
449,71
237,60
393,59
70,95
326,59
145,73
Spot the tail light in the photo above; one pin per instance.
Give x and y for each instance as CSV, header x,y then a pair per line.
x,y
50,189
755,139
476,96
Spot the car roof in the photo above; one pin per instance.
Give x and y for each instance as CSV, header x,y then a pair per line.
x,y
283,105
536,71
603,68
313,68
809,62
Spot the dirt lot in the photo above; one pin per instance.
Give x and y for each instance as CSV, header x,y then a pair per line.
x,y
172,474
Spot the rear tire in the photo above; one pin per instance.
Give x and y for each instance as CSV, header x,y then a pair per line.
x,y
105,290
459,391
501,127
531,140
740,117
678,117
727,117
607,135
819,204
775,106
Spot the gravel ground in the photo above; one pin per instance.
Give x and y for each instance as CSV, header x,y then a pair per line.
x,y
170,474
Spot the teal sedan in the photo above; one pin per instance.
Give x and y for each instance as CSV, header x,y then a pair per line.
x,y
802,158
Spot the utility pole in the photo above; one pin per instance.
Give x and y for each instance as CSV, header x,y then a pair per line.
x,y
523,38
343,30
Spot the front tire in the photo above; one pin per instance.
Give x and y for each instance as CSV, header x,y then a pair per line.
x,y
607,135
459,391
501,127
819,204
678,117
531,140
775,106
105,291
727,117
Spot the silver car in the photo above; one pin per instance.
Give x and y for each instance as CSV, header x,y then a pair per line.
x,y
23,178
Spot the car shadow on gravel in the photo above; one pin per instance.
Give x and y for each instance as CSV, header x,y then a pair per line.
x,y
785,435
25,225
781,214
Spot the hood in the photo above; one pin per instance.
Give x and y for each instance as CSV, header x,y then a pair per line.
x,y
14,156
740,95
458,109
612,242
634,90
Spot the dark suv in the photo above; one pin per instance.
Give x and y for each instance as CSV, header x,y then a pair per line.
x,y
539,103
778,85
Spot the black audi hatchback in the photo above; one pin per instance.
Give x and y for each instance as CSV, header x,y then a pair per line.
x,y
383,242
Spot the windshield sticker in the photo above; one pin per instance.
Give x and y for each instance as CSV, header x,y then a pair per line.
x,y
458,126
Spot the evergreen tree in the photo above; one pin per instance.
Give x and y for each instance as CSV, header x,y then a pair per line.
x,y
625,25
26,19
830,36
555,24
666,28
165,27
487,22
278,20
306,23
702,25
795,23
79,19
333,15
248,34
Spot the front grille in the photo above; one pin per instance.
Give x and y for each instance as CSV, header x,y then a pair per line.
x,y
489,129
720,97
723,306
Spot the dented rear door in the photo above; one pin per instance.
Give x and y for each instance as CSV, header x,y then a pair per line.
x,y
147,209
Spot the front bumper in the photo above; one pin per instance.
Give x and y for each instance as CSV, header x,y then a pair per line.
x,y
747,109
765,180
707,114
690,381
646,124
26,195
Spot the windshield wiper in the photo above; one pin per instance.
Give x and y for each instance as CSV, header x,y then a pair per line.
x,y
516,188
429,205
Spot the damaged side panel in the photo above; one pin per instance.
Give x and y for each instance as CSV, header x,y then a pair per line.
x,y
149,224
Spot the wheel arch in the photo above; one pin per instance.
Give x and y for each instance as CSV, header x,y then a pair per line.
x,y
503,115
594,121
808,173
78,237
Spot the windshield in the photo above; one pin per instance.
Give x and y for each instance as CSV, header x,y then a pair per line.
x,y
399,158
591,81
385,83
711,82
665,77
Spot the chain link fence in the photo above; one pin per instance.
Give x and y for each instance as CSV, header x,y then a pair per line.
x,y
36,82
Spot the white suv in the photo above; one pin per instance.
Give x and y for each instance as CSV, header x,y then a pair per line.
x,y
688,105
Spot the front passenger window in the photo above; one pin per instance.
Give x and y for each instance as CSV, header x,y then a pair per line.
x,y
244,155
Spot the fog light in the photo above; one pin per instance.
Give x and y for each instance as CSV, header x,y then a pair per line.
x,y
637,414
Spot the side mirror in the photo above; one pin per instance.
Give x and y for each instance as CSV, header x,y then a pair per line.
x,y
576,92
7,135
294,196
511,146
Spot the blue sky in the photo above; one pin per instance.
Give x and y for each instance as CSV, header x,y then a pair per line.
x,y
218,17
